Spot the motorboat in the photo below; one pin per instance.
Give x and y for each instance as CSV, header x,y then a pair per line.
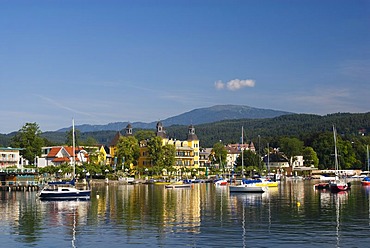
x,y
63,191
221,182
178,186
247,188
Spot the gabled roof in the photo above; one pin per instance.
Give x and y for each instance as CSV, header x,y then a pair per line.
x,y
54,151
68,149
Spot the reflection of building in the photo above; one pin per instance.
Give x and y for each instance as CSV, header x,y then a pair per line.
x,y
185,212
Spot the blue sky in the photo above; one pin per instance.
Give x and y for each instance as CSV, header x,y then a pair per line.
x,y
107,61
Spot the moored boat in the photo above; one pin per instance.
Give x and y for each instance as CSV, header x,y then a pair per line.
x,y
63,191
337,184
365,181
321,185
266,183
247,188
221,182
178,186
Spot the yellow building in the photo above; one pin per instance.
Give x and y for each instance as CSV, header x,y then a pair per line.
x,y
187,151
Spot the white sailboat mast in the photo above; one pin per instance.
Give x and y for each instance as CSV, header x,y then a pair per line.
x,y
368,159
335,151
242,152
73,148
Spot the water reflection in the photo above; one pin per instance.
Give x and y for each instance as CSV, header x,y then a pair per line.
x,y
203,216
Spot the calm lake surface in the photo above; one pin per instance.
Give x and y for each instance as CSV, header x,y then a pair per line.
x,y
293,215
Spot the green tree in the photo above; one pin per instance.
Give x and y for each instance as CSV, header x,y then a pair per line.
x,y
169,154
347,158
90,141
128,150
69,137
29,138
323,144
291,147
144,135
251,161
310,157
155,151
219,153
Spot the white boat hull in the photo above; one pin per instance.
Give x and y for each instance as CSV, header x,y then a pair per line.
x,y
247,188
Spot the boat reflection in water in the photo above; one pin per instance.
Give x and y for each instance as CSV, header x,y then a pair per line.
x,y
67,214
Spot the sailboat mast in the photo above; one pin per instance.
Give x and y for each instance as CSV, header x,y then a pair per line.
x,y
268,159
368,159
242,152
335,150
73,148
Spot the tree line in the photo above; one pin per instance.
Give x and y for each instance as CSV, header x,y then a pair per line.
x,y
296,134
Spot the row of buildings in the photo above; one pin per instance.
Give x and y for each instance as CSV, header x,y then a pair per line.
x,y
189,154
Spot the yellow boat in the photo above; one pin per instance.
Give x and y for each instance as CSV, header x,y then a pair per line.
x,y
266,183
167,183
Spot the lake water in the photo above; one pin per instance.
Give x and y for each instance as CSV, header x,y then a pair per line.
x,y
293,215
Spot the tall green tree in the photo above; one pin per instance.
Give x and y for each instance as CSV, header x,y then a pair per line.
x,y
219,154
128,150
144,135
155,151
251,161
69,137
29,138
169,154
310,157
291,147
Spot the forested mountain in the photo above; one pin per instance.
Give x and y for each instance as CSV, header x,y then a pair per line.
x,y
313,130
195,117
229,131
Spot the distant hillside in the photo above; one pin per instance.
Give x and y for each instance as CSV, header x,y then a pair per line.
x,y
302,126
220,113
195,117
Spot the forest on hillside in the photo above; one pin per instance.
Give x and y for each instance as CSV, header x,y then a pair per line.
x,y
313,130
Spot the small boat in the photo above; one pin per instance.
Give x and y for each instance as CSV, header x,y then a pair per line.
x,y
365,181
337,184
247,188
262,182
63,191
321,186
221,182
178,186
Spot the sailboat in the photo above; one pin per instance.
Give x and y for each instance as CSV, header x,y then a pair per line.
x,y
246,186
337,184
65,190
366,180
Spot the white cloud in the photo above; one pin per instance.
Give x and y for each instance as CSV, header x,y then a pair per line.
x,y
219,85
235,84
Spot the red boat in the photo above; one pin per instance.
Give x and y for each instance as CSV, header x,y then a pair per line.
x,y
338,185
366,181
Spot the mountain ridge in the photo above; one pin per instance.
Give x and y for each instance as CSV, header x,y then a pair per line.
x,y
195,117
